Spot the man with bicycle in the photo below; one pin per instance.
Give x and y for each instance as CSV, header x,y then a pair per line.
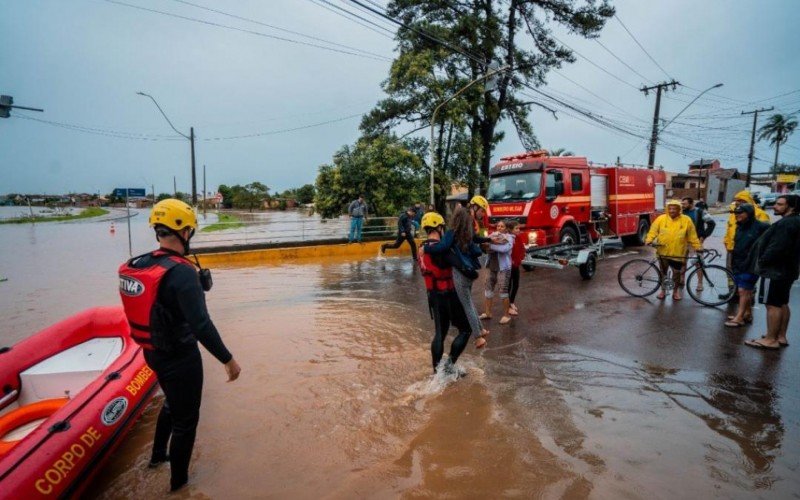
x,y
673,231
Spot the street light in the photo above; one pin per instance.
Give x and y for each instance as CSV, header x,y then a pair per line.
x,y
191,141
692,102
489,74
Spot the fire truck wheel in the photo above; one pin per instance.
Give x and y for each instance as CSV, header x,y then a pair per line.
x,y
568,235
587,270
638,239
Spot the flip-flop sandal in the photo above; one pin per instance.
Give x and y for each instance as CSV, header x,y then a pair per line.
x,y
480,343
484,316
758,345
505,320
675,297
734,324
782,344
661,296
699,289
746,320
512,312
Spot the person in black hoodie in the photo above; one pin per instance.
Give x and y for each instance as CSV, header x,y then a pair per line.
x,y
776,258
748,230
405,232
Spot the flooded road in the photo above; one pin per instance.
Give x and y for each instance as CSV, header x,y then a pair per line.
x,y
589,393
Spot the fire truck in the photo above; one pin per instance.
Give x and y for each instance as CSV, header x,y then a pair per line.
x,y
569,209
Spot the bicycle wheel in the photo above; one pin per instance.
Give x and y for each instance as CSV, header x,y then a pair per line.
x,y
715,288
639,277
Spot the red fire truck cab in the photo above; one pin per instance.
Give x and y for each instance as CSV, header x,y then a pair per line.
x,y
560,199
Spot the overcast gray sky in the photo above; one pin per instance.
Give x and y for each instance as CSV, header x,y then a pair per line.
x,y
84,60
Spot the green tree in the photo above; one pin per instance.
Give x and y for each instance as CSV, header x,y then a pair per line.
x,y
250,196
227,196
777,130
389,172
305,194
163,196
470,35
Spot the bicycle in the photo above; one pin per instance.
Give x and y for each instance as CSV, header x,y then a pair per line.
x,y
642,277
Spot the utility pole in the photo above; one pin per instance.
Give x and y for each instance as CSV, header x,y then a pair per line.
x,y
194,177
205,193
153,190
174,187
664,86
755,113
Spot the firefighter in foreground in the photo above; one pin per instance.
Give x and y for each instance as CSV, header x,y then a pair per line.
x,y
445,307
673,231
168,316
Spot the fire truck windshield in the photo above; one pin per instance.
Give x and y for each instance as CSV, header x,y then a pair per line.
x,y
512,187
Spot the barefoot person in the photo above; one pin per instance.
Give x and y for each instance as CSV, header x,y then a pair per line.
x,y
673,231
443,302
748,230
164,300
777,259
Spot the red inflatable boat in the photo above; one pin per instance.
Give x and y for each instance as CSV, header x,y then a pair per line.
x,y
68,395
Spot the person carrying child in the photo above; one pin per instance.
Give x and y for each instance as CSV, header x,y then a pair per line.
x,y
499,272
444,305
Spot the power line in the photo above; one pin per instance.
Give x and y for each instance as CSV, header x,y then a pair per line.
x,y
104,132
641,47
345,13
623,62
251,32
234,16
282,131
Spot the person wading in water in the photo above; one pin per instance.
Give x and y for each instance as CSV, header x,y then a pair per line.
x,y
166,310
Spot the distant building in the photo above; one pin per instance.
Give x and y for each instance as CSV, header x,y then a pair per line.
x,y
707,180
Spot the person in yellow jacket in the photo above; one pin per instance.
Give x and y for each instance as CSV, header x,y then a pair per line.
x,y
730,232
673,231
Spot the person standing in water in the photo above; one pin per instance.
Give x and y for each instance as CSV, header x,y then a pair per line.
x,y
462,243
445,308
163,295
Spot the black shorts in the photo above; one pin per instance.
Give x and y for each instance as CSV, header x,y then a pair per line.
x,y
774,292
666,263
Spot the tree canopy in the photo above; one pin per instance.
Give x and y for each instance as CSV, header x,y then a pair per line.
x,y
445,45
777,130
388,171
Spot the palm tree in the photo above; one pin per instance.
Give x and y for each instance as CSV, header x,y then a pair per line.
x,y
777,130
561,152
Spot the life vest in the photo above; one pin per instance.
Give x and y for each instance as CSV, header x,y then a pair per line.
x,y
438,277
138,288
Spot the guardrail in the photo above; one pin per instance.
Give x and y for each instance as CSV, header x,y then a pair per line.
x,y
291,231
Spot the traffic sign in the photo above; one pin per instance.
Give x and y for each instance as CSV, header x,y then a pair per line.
x,y
132,192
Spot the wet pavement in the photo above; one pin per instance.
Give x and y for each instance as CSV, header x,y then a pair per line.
x,y
588,393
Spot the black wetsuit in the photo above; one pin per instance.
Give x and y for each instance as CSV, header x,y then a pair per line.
x,y
180,370
446,309
404,227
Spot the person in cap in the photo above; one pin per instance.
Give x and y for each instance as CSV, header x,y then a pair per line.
x,y
405,232
443,303
748,231
673,231
163,295
730,229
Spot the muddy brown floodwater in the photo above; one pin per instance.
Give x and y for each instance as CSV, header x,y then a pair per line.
x,y
588,394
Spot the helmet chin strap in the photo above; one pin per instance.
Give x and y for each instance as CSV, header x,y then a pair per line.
x,y
177,234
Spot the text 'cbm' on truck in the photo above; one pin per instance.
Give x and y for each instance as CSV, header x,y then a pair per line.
x,y
569,208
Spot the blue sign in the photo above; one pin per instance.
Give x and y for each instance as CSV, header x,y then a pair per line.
x,y
132,193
